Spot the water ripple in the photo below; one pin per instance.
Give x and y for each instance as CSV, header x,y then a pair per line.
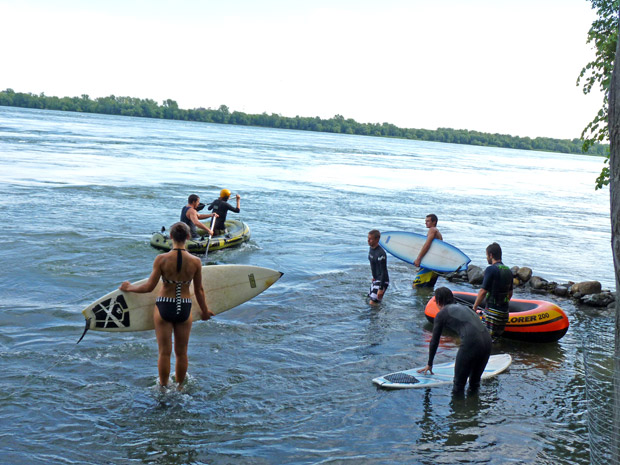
x,y
286,377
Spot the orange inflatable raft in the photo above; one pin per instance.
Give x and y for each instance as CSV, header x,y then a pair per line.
x,y
528,320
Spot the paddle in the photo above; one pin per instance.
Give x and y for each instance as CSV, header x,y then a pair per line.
x,y
209,240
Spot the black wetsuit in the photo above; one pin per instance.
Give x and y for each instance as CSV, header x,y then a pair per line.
x,y
378,268
475,349
498,283
221,207
187,221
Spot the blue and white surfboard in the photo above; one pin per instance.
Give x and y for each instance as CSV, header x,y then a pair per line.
x,y
441,257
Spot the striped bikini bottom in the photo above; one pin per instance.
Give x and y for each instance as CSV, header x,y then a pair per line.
x,y
174,310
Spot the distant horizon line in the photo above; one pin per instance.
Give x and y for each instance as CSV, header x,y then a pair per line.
x,y
148,108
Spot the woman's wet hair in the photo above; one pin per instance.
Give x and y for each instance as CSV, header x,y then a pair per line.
x,y
179,231
443,296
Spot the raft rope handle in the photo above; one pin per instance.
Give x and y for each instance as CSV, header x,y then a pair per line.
x,y
464,302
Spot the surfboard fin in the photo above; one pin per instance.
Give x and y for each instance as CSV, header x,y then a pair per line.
x,y
86,328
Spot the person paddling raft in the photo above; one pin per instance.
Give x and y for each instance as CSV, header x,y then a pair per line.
x,y
497,286
173,307
475,349
222,207
425,277
191,217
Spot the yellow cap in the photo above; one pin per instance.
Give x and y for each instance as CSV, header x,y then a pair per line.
x,y
224,193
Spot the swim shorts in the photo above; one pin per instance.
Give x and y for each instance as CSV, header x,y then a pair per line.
x,y
375,286
495,321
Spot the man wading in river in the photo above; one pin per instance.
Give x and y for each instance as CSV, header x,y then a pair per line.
x,y
378,267
497,288
425,277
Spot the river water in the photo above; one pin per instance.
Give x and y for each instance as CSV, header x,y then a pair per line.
x,y
286,377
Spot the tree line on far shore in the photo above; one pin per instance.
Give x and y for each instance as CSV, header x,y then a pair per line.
x,y
169,109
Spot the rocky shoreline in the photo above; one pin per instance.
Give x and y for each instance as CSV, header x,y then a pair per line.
x,y
586,292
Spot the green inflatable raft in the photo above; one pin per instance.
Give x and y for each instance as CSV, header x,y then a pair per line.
x,y
238,232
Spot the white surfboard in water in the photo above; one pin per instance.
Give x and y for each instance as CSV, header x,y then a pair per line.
x,y
441,256
226,286
443,373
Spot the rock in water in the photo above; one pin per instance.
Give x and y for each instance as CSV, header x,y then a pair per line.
x,y
586,288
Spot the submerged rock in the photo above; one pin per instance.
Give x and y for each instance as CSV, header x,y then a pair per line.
x,y
524,274
602,299
474,274
536,282
457,276
586,292
585,288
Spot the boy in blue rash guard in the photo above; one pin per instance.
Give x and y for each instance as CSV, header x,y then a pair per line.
x,y
378,267
497,288
475,349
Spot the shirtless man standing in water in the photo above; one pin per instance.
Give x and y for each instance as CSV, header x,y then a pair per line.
x,y
424,277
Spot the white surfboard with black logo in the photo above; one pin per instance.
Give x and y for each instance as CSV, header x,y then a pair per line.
x,y
226,286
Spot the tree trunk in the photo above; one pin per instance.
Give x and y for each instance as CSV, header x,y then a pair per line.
x,y
614,194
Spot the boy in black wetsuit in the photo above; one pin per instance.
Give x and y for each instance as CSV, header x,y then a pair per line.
x,y
473,355
378,267
497,288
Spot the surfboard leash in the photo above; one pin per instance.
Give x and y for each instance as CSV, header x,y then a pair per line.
x,y
86,328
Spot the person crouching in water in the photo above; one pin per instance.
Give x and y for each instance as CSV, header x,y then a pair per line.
x,y
475,349
177,270
378,267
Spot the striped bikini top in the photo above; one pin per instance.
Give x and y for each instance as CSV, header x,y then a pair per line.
x,y
179,264
177,299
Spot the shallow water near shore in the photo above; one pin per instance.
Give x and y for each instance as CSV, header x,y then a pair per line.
x,y
286,377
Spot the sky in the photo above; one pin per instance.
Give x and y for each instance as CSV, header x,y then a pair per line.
x,y
497,66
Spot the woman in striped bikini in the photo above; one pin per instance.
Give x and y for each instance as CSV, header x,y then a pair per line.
x,y
177,270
